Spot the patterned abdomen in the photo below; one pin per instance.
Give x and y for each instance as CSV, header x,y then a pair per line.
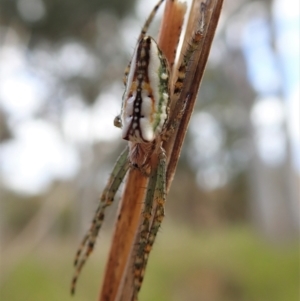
x,y
146,98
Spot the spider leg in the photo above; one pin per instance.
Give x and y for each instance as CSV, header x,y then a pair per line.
x,y
143,239
192,46
143,33
157,182
149,19
87,245
156,192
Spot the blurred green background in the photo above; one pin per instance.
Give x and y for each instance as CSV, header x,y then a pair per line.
x,y
231,231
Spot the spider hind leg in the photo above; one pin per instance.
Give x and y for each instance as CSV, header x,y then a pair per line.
x,y
87,245
156,192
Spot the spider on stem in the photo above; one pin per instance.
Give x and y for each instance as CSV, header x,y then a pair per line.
x,y
146,123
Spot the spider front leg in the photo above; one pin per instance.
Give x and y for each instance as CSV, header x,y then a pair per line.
x,y
156,192
119,171
192,46
142,34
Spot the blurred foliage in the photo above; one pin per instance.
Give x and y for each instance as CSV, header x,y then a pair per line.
x,y
63,19
206,209
224,262
4,130
229,265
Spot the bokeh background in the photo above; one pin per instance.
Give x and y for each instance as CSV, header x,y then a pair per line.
x,y
232,226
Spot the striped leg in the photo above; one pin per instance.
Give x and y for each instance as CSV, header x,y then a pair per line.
x,y
156,192
87,245
143,33
192,47
182,71
149,20
143,239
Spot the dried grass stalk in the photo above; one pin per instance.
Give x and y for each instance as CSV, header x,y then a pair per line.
x,y
118,279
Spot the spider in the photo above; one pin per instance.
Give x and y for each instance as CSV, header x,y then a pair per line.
x,y
145,122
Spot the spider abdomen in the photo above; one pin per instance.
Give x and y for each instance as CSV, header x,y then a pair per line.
x,y
146,98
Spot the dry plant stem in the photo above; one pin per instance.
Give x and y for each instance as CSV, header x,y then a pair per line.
x,y
168,40
194,76
170,29
117,284
124,232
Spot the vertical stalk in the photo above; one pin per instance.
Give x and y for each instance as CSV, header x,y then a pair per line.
x,y
118,279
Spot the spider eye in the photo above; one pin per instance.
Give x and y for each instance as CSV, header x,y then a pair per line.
x,y
118,122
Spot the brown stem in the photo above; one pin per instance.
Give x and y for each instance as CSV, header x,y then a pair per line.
x,y
118,279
